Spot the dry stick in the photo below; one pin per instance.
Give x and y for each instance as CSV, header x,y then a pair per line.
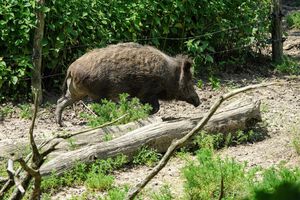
x,y
86,107
176,143
37,179
37,158
65,136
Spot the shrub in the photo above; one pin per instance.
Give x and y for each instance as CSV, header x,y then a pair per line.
x,y
293,20
99,181
146,156
207,30
108,111
209,175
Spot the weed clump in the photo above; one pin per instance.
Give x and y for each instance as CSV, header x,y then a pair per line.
x,y
107,111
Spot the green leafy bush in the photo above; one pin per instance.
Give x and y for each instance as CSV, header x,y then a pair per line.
x,y
17,20
209,176
108,111
293,20
207,30
203,178
146,156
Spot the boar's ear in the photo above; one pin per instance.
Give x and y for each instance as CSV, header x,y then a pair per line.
x,y
187,64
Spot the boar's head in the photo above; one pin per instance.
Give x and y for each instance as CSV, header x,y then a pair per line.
x,y
186,87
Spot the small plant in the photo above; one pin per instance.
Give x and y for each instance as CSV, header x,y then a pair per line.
x,y
289,66
25,112
107,137
116,194
6,111
215,82
72,144
99,181
210,141
164,194
200,84
84,196
219,140
108,111
146,156
293,20
296,139
264,108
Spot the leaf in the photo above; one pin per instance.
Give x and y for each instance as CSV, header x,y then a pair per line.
x,y
45,9
14,80
179,25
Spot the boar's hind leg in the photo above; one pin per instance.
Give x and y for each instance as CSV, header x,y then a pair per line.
x,y
61,104
153,101
67,99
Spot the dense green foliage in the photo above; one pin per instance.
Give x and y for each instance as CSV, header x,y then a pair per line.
x,y
293,20
204,178
107,111
200,28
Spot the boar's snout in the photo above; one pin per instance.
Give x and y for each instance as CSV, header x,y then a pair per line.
x,y
194,100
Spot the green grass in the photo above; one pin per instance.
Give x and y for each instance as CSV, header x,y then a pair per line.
x,y
204,177
82,174
293,20
99,181
108,111
163,194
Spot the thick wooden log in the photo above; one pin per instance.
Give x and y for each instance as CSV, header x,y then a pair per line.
x,y
8,146
159,135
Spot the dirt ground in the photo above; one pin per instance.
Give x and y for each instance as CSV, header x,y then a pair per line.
x,y
280,113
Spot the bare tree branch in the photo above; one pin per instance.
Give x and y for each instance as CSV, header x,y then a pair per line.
x,y
35,152
37,179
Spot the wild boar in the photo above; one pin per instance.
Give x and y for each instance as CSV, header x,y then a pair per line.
x,y
141,71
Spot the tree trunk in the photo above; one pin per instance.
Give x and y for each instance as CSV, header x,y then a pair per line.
x,y
36,80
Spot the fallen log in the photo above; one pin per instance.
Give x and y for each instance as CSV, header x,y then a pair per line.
x,y
238,115
8,146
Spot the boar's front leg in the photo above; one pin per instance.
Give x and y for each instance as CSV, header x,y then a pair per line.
x,y
153,101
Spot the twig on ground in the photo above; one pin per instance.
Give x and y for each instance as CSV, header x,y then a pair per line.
x,y
86,107
68,135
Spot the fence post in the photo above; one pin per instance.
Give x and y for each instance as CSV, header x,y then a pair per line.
x,y
36,81
277,40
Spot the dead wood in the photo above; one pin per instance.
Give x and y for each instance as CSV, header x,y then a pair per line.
x,y
159,135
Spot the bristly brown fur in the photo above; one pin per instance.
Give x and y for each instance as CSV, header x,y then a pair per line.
x,y
141,71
